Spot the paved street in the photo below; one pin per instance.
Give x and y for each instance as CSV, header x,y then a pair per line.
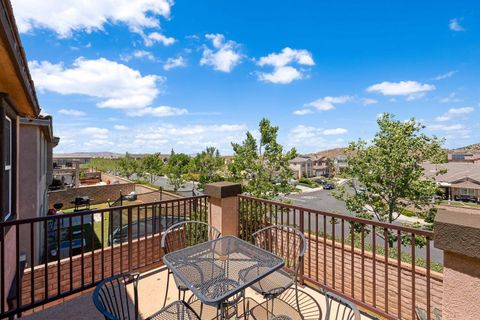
x,y
319,200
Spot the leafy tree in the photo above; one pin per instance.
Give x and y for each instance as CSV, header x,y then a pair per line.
x,y
390,171
127,166
262,167
208,165
153,166
103,165
177,168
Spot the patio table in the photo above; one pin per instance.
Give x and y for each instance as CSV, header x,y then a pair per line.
x,y
211,270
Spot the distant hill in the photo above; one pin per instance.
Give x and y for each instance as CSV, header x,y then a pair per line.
x,y
331,153
473,148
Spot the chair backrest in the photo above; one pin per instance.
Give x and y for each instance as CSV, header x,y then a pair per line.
x,y
111,297
284,241
339,308
187,233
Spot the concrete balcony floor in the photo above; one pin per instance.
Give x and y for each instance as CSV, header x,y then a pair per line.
x,y
151,294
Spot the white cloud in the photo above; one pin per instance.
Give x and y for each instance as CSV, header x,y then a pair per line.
x,y
452,97
368,101
312,138
302,112
140,137
115,85
224,56
67,16
72,112
155,37
143,54
189,138
333,132
96,133
174,63
283,71
452,113
445,75
282,75
162,111
323,104
120,127
412,89
454,25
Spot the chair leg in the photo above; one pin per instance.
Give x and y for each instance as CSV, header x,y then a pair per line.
x,y
166,292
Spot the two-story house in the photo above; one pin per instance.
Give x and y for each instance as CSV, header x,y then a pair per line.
x,y
302,167
26,145
321,166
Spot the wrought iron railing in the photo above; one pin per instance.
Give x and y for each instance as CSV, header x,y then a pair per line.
x,y
387,269
56,256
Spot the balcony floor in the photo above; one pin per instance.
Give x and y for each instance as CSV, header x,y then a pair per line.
x,y
151,292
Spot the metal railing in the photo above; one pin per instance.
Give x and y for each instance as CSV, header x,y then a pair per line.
x,y
67,253
383,268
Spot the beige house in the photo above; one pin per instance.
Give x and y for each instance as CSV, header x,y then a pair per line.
x,y
302,167
464,157
321,166
460,178
26,143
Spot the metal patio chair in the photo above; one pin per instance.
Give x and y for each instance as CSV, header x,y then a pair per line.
x,y
182,235
285,307
339,308
288,243
112,300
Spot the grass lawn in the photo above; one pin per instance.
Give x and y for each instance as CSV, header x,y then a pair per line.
x,y
96,239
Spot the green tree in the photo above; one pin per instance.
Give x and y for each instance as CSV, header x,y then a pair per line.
x,y
177,168
153,166
389,170
208,165
127,166
262,167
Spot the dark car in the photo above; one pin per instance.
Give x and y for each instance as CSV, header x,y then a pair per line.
x,y
138,228
465,197
329,186
320,181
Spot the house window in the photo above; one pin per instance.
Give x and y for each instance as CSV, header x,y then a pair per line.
x,y
7,182
467,192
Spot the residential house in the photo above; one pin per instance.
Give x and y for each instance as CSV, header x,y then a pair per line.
x,y
321,165
340,163
465,157
26,144
302,167
456,178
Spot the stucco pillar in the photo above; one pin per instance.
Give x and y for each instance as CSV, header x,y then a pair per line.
x,y
224,206
458,234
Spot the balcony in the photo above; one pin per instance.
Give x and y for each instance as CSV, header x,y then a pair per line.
x,y
151,289
357,259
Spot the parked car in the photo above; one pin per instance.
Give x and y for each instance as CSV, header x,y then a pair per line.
x,y
320,181
293,182
465,197
139,231
329,186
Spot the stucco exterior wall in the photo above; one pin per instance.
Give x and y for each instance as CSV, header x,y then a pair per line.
x,y
98,194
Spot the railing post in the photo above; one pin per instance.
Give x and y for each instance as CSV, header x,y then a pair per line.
x,y
457,233
302,230
224,211
130,239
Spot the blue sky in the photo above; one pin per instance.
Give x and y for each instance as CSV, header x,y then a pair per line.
x,y
152,75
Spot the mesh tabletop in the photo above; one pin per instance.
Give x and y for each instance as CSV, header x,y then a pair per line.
x,y
212,270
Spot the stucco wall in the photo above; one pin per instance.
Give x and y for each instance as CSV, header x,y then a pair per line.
x,y
99,194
